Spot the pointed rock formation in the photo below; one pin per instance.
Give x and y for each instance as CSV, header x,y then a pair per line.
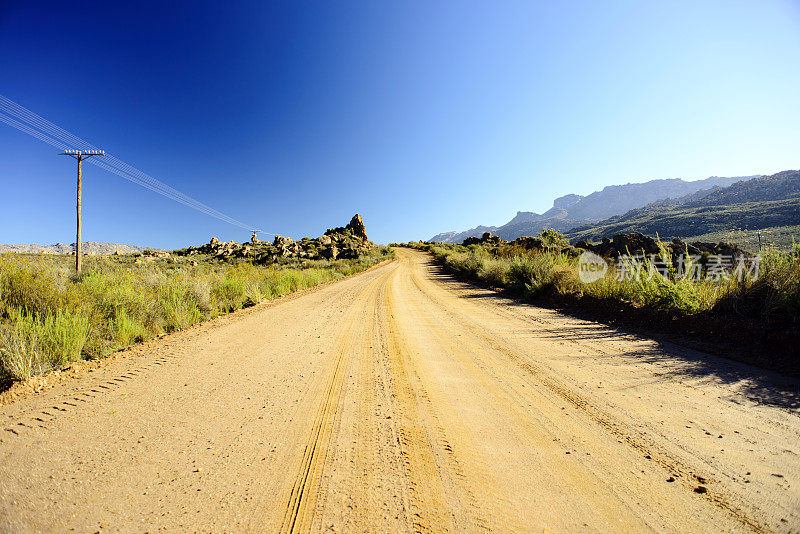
x,y
357,227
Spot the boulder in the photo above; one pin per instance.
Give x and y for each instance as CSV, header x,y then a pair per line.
x,y
282,241
528,243
325,240
635,243
330,253
622,244
214,241
723,249
486,238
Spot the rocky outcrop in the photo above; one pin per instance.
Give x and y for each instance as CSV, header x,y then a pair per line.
x,y
339,243
622,244
527,243
634,243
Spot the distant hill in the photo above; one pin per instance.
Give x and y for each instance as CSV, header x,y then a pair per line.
x,y
761,202
88,247
574,210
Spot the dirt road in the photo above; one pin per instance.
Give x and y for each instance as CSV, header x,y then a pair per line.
x,y
400,400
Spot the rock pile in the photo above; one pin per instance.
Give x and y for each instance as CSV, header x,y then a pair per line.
x,y
528,243
637,243
486,239
621,244
338,243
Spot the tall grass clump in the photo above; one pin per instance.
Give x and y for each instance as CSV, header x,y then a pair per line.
x,y
33,344
644,284
774,293
229,293
533,275
494,272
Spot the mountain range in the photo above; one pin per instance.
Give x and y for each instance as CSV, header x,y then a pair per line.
x,y
754,204
571,211
88,247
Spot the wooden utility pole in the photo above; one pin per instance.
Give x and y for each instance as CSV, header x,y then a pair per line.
x,y
80,156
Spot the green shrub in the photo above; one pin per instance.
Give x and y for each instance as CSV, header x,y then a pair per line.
x,y
21,355
36,290
494,273
553,239
229,294
128,330
178,308
532,275
775,292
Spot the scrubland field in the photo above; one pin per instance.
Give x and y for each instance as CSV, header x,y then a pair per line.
x,y
49,317
782,238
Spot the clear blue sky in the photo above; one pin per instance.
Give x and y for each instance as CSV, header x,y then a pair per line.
x,y
422,116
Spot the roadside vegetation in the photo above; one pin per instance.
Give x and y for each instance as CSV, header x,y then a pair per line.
x,y
551,271
49,317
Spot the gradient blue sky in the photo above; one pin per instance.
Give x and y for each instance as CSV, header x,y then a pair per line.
x,y
422,116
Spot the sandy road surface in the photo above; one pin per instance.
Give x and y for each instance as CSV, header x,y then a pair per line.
x,y
399,400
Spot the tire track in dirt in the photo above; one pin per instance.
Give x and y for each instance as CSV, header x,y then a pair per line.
x,y
365,483
87,395
441,499
302,501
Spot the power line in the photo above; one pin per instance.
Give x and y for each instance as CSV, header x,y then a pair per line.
x,y
72,140
36,126
138,177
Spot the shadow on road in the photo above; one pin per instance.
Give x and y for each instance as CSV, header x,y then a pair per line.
x,y
674,356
